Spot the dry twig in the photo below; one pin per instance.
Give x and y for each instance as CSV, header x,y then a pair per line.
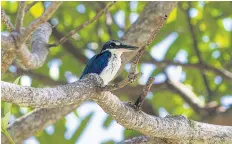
x,y
141,98
6,20
20,15
132,74
96,17
42,19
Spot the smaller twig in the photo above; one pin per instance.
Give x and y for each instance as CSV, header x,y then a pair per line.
x,y
46,80
114,21
148,42
203,67
30,6
20,16
121,84
141,98
6,20
96,17
36,23
132,74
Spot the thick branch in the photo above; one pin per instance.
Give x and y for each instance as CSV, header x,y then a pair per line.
x,y
48,97
177,127
149,140
169,127
147,22
7,52
20,16
7,43
6,60
137,35
27,59
37,57
23,128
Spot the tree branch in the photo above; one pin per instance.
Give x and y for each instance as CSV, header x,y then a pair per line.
x,y
132,74
20,16
23,128
146,88
7,43
137,35
6,60
42,19
26,58
170,127
6,20
147,22
48,97
68,46
7,52
200,66
36,58
221,118
177,127
62,40
46,80
188,96
149,140
197,51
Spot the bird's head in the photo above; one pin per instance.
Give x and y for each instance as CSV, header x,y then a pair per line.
x,y
117,47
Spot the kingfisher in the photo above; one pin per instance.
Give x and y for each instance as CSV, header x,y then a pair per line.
x,y
107,63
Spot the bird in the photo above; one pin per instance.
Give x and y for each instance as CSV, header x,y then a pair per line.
x,y
107,63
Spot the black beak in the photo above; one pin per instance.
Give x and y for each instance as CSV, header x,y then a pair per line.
x,y
122,46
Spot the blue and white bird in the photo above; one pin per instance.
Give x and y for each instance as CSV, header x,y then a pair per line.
x,y
107,63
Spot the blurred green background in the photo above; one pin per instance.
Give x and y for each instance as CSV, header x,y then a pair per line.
x,y
211,23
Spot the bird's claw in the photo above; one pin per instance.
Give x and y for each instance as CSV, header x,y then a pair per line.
x,y
135,107
132,78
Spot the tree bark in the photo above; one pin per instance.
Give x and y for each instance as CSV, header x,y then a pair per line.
x,y
177,127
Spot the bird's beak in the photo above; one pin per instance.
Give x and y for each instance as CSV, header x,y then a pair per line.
x,y
127,48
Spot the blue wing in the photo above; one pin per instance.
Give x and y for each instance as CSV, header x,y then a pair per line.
x,y
97,63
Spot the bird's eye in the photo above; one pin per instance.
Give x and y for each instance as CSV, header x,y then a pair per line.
x,y
112,45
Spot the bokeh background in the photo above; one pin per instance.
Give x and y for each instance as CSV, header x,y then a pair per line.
x,y
205,25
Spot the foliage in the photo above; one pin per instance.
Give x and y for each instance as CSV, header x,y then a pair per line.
x,y
6,116
210,22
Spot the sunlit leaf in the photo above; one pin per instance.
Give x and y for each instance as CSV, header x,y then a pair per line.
x,y
37,10
172,15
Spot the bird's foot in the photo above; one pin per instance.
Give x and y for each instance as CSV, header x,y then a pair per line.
x,y
134,106
133,77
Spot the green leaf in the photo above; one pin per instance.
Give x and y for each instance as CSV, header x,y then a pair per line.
x,y
82,127
8,136
17,80
107,122
7,113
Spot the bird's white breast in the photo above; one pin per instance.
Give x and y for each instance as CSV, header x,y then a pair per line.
x,y
111,69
